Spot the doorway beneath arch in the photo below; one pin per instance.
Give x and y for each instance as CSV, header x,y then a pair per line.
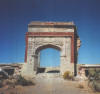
x,y
49,57
49,61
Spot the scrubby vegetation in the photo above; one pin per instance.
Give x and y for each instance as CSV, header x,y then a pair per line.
x,y
94,80
1,85
68,75
23,81
12,82
80,86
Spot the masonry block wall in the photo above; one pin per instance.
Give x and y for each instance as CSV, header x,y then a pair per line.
x,y
57,35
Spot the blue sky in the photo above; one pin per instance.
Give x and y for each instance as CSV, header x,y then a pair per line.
x,y
15,15
49,57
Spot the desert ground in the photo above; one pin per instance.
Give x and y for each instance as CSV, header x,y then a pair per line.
x,y
50,86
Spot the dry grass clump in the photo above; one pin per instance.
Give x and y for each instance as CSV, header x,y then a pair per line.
x,y
68,75
22,81
12,82
1,84
81,86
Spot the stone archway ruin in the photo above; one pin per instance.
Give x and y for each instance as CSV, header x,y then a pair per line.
x,y
60,35
40,69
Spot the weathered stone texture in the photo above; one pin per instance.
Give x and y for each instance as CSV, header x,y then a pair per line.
x,y
50,29
60,36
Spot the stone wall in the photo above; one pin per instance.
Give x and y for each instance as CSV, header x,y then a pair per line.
x,y
57,35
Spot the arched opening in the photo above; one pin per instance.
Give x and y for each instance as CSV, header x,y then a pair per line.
x,y
48,59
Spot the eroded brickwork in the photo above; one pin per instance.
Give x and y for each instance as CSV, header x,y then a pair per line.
x,y
58,35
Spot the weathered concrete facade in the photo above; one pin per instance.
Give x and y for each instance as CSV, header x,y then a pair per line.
x,y
58,35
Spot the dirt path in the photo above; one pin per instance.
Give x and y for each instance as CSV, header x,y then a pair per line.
x,y
57,86
50,86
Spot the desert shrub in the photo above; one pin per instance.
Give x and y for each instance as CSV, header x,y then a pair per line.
x,y
95,82
91,72
80,86
1,93
10,83
97,86
22,81
12,93
71,77
1,84
68,75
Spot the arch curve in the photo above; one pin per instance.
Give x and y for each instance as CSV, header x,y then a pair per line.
x,y
47,46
